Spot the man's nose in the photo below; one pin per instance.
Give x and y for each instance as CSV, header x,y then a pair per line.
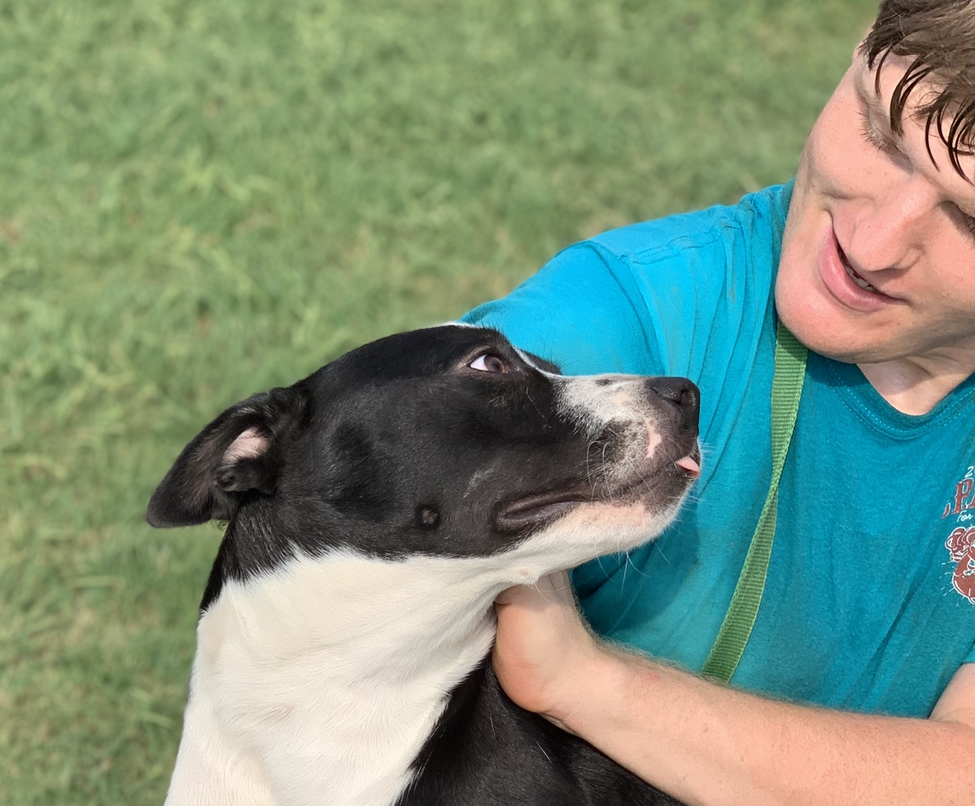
x,y
889,230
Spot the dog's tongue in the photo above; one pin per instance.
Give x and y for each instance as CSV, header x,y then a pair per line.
x,y
690,466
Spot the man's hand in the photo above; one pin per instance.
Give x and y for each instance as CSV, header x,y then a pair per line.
x,y
543,646
711,745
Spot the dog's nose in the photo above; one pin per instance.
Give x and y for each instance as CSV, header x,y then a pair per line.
x,y
684,395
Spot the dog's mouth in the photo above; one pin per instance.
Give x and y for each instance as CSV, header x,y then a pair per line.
x,y
540,508
537,508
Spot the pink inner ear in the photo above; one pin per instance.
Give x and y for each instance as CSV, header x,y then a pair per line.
x,y
249,445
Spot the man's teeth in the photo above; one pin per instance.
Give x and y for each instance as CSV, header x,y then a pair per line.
x,y
858,279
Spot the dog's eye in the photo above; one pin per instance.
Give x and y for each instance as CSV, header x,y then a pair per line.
x,y
489,362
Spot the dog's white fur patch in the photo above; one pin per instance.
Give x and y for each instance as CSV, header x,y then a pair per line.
x,y
598,400
320,682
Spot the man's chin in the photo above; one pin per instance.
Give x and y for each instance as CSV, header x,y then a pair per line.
x,y
818,331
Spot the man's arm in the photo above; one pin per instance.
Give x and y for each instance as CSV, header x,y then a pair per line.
x,y
710,745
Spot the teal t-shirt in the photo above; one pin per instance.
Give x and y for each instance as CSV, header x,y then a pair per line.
x,y
870,599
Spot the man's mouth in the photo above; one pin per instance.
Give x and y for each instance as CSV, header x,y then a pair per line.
x,y
853,275
858,279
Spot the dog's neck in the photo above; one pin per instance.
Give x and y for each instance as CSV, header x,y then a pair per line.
x,y
324,678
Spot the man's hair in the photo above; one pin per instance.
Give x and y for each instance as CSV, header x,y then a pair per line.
x,y
940,36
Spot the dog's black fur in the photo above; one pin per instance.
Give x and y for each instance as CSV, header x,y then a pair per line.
x,y
376,452
487,751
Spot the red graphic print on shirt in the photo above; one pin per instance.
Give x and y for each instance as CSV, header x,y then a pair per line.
x,y
961,546
961,541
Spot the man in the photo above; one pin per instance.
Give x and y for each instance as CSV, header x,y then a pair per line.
x,y
867,624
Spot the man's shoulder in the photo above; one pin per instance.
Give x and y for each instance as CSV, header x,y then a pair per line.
x,y
622,301
756,220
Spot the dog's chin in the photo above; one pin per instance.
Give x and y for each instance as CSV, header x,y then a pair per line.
x,y
540,509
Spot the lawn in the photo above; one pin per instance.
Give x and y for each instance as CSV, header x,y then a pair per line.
x,y
201,200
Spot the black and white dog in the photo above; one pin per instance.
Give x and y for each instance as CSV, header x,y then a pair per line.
x,y
375,510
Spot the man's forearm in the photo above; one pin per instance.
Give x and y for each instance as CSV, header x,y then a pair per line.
x,y
714,746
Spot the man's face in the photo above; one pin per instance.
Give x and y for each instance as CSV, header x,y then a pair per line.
x,y
878,255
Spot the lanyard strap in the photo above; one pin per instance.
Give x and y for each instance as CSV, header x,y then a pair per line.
x,y
790,370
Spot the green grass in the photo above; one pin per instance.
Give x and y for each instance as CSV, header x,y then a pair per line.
x,y
200,200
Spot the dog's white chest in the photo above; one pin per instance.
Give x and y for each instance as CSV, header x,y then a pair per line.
x,y
330,707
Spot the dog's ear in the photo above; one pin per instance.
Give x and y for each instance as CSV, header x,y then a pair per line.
x,y
238,452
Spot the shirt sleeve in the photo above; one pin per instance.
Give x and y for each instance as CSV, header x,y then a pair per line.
x,y
582,312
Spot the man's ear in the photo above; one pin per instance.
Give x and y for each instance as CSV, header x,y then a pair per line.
x,y
238,452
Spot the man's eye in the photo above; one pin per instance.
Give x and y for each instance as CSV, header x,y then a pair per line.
x,y
876,138
968,222
489,362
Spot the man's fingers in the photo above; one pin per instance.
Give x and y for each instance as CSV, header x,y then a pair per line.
x,y
548,589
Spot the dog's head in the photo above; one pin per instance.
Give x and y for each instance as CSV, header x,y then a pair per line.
x,y
445,441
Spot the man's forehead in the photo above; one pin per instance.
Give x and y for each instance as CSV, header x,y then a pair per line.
x,y
877,85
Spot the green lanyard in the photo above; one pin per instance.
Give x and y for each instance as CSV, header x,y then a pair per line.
x,y
790,370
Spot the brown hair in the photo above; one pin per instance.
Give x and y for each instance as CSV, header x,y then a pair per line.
x,y
940,35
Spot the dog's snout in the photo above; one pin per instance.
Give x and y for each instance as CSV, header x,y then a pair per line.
x,y
683,394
